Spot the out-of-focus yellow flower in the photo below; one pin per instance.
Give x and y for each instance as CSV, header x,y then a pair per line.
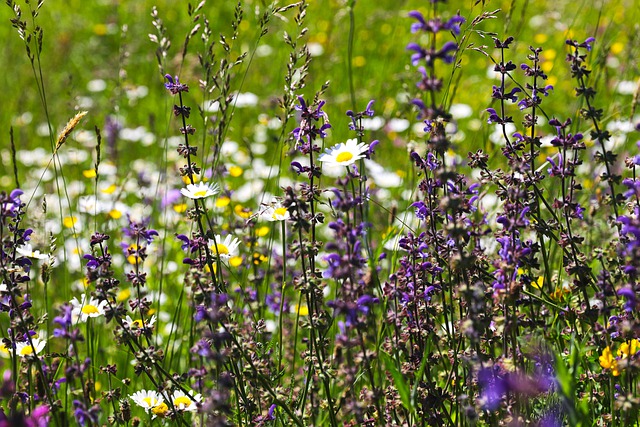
x,y
235,171
222,202
89,173
242,212
262,231
187,180
607,361
235,261
259,258
617,48
69,221
123,295
160,410
538,282
629,348
180,208
110,189
558,294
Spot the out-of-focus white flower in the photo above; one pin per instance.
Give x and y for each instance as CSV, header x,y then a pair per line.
x,y
27,250
275,212
137,324
25,348
147,399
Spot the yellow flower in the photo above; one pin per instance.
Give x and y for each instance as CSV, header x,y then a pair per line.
x,y
160,410
607,361
235,171
538,283
629,348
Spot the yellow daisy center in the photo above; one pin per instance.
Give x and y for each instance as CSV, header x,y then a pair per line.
x,y
137,322
27,350
200,193
161,409
222,249
282,211
344,157
89,309
182,400
150,401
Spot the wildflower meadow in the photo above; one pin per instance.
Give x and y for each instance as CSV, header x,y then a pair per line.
x,y
320,213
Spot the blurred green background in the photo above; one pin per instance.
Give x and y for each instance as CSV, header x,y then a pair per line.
x,y
109,41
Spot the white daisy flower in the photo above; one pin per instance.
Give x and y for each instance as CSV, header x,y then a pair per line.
x,y
199,190
84,309
147,399
27,250
25,349
275,212
226,248
183,402
4,351
344,154
131,324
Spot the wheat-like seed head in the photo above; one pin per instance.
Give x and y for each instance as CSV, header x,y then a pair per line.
x,y
71,124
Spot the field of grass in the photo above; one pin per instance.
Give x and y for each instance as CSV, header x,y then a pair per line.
x,y
326,212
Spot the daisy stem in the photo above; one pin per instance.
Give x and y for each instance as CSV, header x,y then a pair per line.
x,y
284,283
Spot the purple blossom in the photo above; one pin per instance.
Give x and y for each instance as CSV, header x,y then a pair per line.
x,y
630,298
174,86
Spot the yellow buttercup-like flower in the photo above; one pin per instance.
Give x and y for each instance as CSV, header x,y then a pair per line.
x,y
607,361
629,348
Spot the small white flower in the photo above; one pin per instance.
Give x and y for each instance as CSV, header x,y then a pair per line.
x,y
199,190
225,248
25,349
84,309
147,399
275,212
27,250
138,322
183,402
4,351
344,154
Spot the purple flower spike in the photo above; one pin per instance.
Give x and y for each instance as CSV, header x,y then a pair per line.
x,y
174,86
